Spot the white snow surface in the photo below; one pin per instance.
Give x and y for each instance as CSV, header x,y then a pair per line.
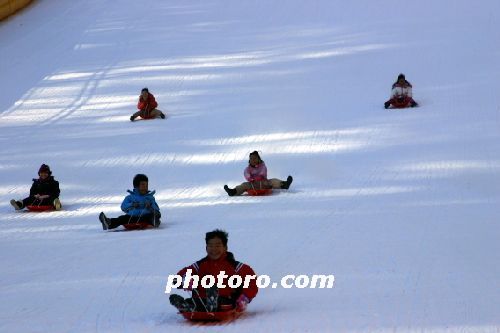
x,y
402,206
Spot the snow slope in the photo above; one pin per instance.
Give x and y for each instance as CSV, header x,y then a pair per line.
x,y
401,206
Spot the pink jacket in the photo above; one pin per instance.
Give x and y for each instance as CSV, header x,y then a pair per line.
x,y
256,173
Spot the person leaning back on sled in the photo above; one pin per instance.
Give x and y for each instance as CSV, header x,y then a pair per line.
x,y
401,94
44,191
147,106
256,175
215,299
139,206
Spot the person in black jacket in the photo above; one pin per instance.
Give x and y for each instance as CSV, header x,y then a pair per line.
x,y
44,191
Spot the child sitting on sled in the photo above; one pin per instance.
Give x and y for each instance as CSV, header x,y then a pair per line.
x,y
401,95
256,175
215,299
44,191
147,106
139,207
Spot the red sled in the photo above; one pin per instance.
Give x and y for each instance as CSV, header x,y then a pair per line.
x,y
401,104
210,316
264,191
138,226
35,208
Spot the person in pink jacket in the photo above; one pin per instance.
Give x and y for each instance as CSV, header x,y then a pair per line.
x,y
256,175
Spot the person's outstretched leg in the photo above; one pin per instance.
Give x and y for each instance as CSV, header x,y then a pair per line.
x,y
31,201
155,113
18,205
182,304
243,187
280,184
112,223
238,190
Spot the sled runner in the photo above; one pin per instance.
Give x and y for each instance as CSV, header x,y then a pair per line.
x,y
210,316
259,192
401,104
138,226
35,208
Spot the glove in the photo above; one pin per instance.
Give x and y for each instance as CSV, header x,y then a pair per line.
x,y
241,303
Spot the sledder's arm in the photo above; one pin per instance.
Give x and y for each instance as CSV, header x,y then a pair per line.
x,y
54,190
260,175
152,206
128,204
251,291
141,105
33,190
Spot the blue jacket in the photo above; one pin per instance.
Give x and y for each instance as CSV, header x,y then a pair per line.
x,y
136,204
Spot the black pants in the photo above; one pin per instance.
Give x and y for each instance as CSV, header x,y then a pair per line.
x,y
201,303
126,219
32,201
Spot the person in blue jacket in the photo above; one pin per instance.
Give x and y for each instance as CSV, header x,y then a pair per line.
x,y
139,206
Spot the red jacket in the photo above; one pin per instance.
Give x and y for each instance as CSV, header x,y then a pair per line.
x,y
147,105
230,266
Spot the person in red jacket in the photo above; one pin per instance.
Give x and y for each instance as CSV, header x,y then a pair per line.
x,y
147,106
218,262
401,94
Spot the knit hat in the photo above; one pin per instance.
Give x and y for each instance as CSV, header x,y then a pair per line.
x,y
144,90
401,76
44,168
138,179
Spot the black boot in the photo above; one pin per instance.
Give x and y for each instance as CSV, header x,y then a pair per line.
x,y
413,104
230,191
180,303
212,299
286,185
387,104
156,221
132,118
104,221
18,205
162,115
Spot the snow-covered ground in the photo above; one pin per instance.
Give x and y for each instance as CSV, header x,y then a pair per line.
x,y
401,206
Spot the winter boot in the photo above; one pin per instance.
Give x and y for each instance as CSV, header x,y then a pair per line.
x,y
57,204
387,104
132,118
104,221
413,104
286,185
230,191
180,303
162,115
156,221
212,299
18,205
